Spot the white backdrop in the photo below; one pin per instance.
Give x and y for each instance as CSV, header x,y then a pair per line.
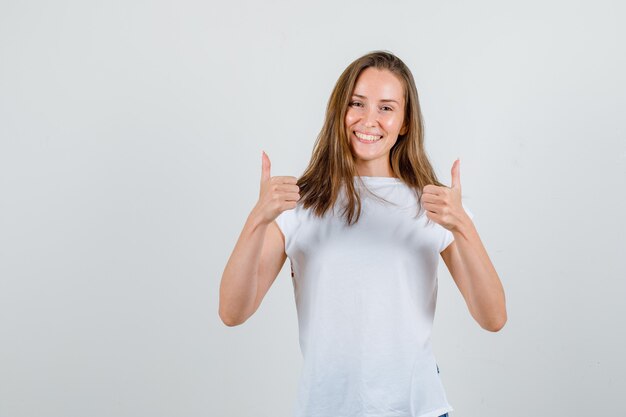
x,y
130,155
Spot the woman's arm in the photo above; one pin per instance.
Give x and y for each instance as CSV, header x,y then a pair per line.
x,y
259,253
466,257
253,266
475,276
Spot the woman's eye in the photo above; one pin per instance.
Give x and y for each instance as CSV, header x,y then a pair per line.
x,y
355,103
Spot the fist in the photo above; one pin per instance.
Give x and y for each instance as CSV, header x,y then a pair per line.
x,y
276,194
443,204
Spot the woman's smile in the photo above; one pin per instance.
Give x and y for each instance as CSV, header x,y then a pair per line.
x,y
366,138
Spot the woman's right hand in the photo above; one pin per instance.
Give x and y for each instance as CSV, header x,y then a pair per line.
x,y
276,195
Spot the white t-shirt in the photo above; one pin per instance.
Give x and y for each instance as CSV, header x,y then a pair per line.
x,y
365,297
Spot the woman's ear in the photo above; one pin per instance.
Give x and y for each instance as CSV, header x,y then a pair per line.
x,y
403,130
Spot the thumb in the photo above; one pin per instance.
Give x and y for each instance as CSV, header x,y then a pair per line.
x,y
456,174
265,167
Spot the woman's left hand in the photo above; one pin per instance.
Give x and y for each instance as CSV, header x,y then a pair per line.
x,y
443,204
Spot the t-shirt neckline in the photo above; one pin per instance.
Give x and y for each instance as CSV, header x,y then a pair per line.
x,y
378,180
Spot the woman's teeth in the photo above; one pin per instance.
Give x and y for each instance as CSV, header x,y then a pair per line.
x,y
367,138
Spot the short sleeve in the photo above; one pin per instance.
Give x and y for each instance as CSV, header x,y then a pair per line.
x,y
287,222
448,236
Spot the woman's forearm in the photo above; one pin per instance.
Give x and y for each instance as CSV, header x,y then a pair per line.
x,y
238,288
486,296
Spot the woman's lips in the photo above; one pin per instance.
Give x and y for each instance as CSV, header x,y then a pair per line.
x,y
365,138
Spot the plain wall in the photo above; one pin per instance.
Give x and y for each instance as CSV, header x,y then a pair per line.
x,y
130,156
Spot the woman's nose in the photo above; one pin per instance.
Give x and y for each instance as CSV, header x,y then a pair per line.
x,y
371,118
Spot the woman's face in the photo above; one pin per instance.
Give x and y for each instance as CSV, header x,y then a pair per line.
x,y
376,109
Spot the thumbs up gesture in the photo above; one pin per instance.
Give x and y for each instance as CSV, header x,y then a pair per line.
x,y
276,194
443,204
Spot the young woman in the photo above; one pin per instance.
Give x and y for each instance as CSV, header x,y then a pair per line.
x,y
363,228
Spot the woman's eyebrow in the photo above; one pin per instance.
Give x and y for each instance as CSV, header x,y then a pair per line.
x,y
385,99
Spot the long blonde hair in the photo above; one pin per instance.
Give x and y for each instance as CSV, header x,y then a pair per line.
x,y
332,165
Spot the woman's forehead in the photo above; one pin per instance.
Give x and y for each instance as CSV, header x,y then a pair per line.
x,y
379,85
